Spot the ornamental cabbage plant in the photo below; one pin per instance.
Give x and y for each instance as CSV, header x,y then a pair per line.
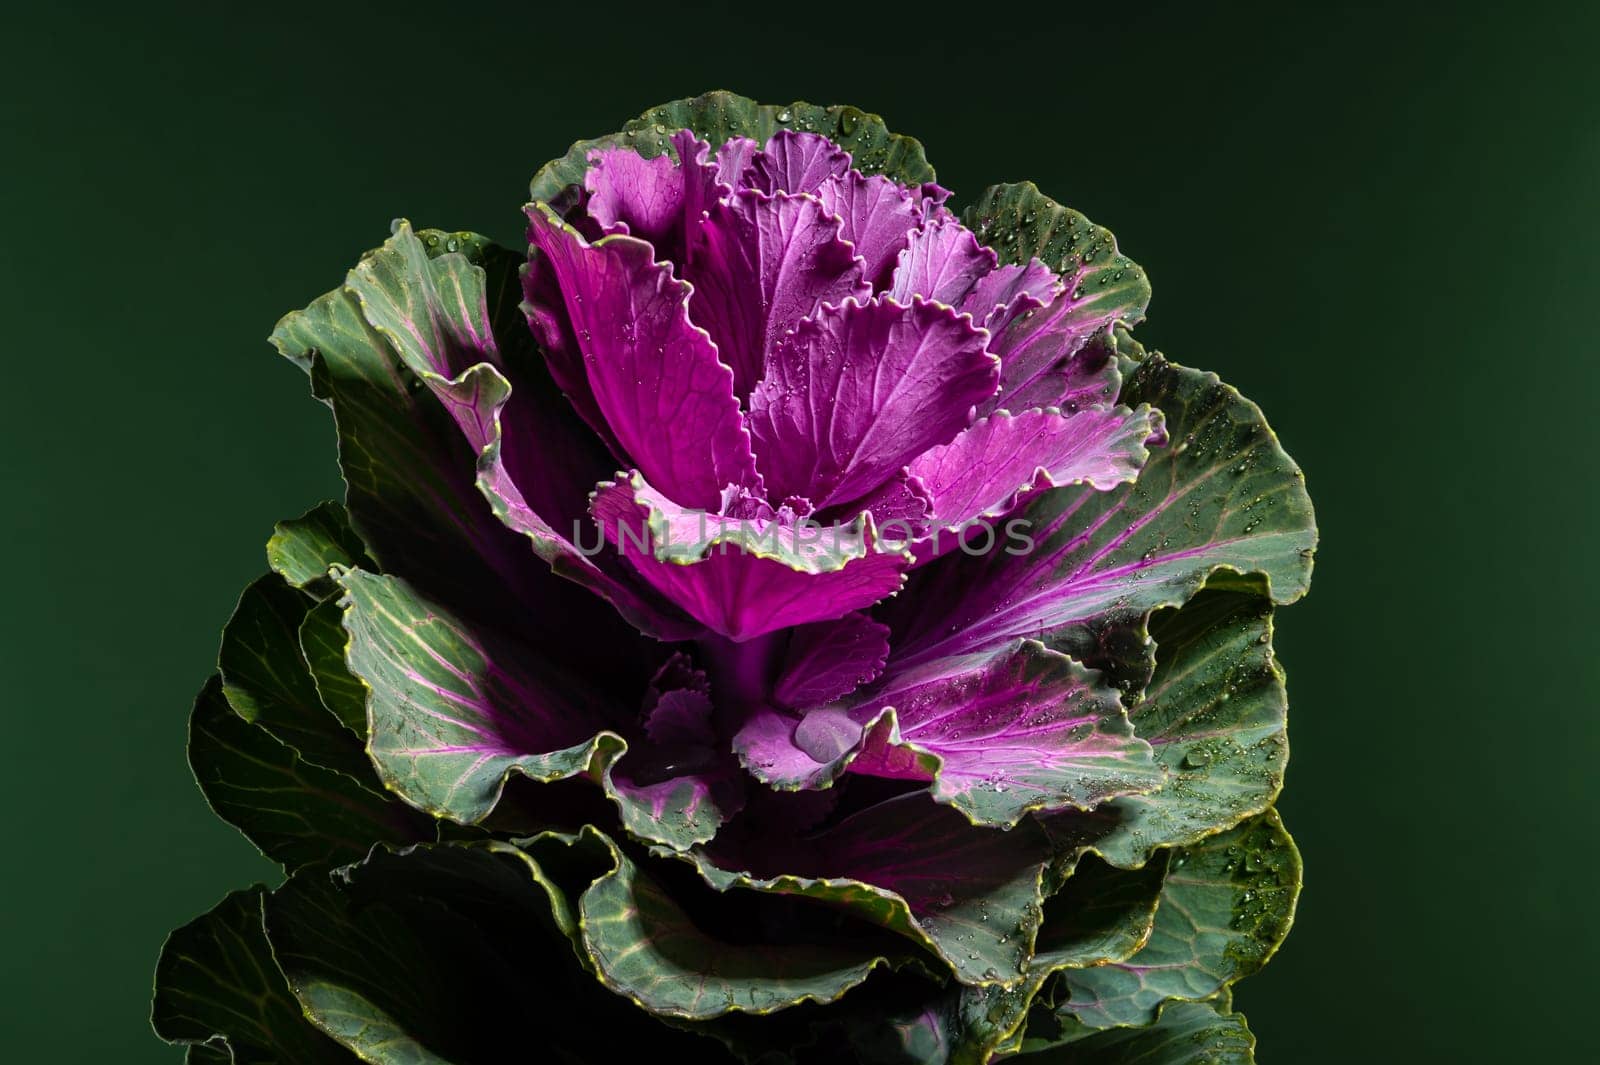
x,y
773,616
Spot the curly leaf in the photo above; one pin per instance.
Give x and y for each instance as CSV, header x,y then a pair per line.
x,y
1215,711
744,579
410,484
641,368
1102,914
999,735
1027,729
970,895
413,480
996,462
433,307
645,946
718,116
393,990
1043,362
1225,907
219,990
675,804
826,424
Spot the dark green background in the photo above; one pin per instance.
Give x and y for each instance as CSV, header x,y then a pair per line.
x,y
1380,224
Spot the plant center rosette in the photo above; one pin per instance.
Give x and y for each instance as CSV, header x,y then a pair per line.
x,y
774,605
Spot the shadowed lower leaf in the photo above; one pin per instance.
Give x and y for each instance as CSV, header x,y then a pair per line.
x,y
970,895
1186,1033
268,682
1226,905
323,642
460,954
297,813
1099,916
216,980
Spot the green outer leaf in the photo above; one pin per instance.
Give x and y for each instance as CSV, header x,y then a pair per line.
x,y
644,946
1239,485
1226,906
717,116
302,549
1125,350
564,865
216,978
323,642
1186,1033
268,683
295,812
1100,915
408,477
433,691
1216,712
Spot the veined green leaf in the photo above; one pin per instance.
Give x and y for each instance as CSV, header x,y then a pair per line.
x,y
297,813
1186,1033
1226,905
